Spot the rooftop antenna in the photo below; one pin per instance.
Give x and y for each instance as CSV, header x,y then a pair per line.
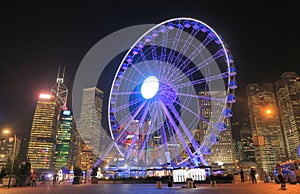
x,y
59,89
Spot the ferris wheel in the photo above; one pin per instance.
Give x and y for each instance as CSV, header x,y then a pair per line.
x,y
171,94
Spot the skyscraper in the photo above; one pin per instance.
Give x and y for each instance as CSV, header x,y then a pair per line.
x,y
6,150
267,135
63,139
89,124
221,152
75,148
41,146
247,148
288,97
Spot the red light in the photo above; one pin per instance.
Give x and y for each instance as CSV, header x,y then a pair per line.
x,y
45,96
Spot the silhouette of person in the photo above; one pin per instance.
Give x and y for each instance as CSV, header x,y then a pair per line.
x,y
242,175
281,178
33,178
252,174
54,178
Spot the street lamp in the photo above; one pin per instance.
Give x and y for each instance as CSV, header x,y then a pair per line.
x,y
8,131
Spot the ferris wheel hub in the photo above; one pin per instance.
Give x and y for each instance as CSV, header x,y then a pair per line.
x,y
150,87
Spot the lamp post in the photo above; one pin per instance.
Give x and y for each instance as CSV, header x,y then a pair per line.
x,y
7,131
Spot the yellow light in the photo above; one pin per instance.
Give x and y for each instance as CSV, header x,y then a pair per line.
x,y
268,111
6,131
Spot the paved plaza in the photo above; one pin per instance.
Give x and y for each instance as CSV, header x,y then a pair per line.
x,y
230,188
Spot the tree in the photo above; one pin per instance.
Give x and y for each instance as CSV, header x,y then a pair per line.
x,y
2,173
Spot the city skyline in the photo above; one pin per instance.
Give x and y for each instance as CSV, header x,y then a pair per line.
x,y
263,45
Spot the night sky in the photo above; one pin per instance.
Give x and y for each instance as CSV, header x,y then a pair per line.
x,y
38,36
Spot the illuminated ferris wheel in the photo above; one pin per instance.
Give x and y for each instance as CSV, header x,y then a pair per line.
x,y
167,82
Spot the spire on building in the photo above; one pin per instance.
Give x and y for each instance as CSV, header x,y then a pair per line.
x,y
59,89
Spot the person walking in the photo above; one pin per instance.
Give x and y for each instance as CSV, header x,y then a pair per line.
x,y
242,175
43,178
252,174
54,179
33,178
281,178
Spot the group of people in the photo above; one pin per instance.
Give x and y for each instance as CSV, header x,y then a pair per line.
x,y
55,179
254,180
252,174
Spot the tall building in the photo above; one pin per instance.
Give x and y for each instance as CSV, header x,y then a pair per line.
x,y
75,148
63,139
223,151
267,135
288,97
89,123
41,147
247,147
6,150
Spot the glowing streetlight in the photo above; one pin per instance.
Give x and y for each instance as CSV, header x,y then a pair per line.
x,y
268,111
8,131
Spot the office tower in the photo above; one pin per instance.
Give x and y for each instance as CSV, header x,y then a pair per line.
x,y
221,152
247,147
6,150
41,145
288,97
89,123
267,135
75,148
63,138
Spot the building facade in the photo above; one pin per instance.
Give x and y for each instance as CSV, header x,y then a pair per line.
x,y
269,146
89,125
42,142
223,151
7,150
246,148
63,139
288,97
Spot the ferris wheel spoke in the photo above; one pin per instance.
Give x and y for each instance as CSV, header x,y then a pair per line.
x,y
204,97
196,52
201,65
178,133
203,80
131,81
144,58
185,47
118,93
195,114
123,106
137,131
185,129
108,149
174,45
140,72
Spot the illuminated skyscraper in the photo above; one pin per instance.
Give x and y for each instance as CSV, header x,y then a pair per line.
x,y
6,150
63,138
41,146
288,97
247,148
221,152
267,135
89,123
75,148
